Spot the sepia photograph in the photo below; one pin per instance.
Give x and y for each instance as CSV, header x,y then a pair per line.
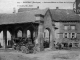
x,y
39,29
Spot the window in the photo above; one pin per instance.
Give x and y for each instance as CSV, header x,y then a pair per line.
x,y
66,35
73,27
66,27
19,33
73,35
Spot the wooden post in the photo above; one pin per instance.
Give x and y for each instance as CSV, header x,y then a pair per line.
x,y
12,37
32,36
4,38
24,34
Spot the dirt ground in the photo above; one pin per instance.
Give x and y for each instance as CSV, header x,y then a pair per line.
x,y
10,54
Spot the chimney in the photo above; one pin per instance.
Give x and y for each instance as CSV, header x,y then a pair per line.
x,y
38,7
57,7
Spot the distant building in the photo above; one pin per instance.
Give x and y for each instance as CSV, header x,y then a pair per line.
x,y
27,9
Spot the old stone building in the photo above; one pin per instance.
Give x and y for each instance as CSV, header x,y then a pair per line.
x,y
68,24
35,21
46,26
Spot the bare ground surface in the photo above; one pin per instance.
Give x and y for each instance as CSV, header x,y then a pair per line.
x,y
10,54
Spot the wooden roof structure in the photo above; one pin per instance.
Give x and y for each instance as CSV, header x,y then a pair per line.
x,y
29,16
22,17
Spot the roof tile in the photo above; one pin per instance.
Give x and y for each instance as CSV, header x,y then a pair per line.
x,y
22,17
64,15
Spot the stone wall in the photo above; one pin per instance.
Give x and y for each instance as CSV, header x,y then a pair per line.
x,y
59,32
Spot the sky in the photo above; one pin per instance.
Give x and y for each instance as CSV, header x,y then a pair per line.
x,y
6,6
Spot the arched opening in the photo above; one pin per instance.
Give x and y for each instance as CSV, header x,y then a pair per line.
x,y
31,32
1,38
46,38
19,33
8,38
28,34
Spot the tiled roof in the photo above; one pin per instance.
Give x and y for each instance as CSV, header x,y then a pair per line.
x,y
22,17
64,15
29,16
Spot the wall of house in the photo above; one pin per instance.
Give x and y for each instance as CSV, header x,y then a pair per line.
x,y
59,32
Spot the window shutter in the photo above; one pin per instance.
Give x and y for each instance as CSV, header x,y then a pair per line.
x,y
67,35
70,35
75,35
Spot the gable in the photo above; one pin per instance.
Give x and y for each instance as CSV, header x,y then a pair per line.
x,y
47,20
